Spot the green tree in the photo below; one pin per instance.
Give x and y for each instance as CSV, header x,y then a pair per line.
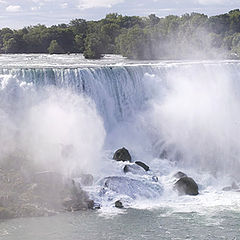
x,y
93,46
79,43
10,46
55,48
134,44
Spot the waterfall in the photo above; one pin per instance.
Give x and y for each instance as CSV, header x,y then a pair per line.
x,y
191,111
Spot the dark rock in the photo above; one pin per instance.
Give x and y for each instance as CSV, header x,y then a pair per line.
x,y
143,165
96,206
180,175
186,185
118,204
78,199
155,178
122,155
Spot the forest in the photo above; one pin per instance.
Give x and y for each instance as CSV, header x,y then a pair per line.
x,y
190,36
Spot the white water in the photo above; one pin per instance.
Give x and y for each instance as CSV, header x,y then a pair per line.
x,y
69,118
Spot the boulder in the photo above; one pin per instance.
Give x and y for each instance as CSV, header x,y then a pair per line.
x,y
118,204
122,155
143,165
186,186
180,175
130,187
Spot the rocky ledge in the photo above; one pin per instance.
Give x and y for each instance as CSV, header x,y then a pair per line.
x,y
30,194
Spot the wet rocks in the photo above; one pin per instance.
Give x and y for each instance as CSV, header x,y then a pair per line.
x,y
180,175
130,187
78,199
143,165
118,204
122,155
137,168
186,186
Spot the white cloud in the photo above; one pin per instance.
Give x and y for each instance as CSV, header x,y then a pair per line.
x,y
85,4
35,8
64,5
13,8
215,2
2,2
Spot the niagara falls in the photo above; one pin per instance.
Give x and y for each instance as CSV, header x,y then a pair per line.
x,y
119,127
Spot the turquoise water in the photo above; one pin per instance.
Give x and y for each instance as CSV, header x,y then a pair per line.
x,y
131,224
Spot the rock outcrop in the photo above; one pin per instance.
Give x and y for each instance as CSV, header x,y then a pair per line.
x,y
122,155
130,187
143,165
78,199
118,204
180,175
38,194
186,186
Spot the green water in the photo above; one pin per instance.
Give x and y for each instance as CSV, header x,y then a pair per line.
x,y
131,224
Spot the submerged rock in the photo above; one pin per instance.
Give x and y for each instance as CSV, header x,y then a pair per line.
x,y
118,204
122,155
131,187
143,165
186,186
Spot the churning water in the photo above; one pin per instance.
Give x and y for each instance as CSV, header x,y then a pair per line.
x,y
189,110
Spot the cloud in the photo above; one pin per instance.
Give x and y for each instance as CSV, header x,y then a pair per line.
x,y
35,8
215,2
64,5
85,4
13,8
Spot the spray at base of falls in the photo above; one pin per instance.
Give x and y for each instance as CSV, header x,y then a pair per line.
x,y
68,119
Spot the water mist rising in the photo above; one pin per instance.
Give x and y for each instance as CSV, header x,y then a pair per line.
x,y
53,128
197,115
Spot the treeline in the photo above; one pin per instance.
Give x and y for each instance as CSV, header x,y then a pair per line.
x,y
173,37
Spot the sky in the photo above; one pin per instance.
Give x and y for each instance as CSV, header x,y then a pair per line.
x,y
19,13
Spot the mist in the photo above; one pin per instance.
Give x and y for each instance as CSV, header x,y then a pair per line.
x,y
53,129
195,117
